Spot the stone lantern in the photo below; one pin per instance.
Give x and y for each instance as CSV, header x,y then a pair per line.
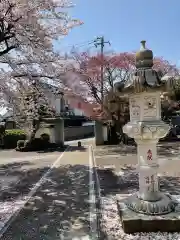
x,y
144,88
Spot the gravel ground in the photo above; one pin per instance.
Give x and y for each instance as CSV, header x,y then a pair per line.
x,y
111,225
128,183
124,159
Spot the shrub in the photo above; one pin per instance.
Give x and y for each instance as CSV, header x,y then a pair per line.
x,y
20,144
36,144
45,137
12,136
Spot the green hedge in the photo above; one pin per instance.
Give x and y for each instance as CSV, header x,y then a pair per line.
x,y
12,136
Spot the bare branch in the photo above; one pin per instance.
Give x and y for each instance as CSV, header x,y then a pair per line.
x,y
20,75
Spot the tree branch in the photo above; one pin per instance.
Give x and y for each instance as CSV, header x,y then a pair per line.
x,y
26,62
7,50
18,75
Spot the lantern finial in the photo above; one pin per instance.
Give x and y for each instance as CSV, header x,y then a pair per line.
x,y
143,44
144,57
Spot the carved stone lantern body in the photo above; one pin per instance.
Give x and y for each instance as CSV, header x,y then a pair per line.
x,y
146,127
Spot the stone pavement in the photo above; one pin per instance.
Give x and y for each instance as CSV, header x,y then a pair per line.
x,y
60,208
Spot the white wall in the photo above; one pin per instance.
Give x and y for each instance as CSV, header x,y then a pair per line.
x,y
56,103
78,112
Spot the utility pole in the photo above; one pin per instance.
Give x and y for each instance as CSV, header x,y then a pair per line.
x,y
100,41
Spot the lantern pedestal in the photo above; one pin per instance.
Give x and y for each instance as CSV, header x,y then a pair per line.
x,y
133,222
148,200
148,210
143,208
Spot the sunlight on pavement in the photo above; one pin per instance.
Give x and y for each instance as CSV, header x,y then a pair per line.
x,y
59,207
8,209
81,238
6,181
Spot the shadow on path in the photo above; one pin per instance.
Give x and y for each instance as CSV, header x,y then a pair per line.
x,y
111,184
68,148
60,207
166,149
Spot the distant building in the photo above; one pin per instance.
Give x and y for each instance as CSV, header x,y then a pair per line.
x,y
59,100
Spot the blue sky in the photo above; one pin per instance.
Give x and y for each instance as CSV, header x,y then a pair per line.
x,y
126,22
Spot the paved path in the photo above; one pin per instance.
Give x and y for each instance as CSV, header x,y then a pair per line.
x,y
13,168
13,165
61,206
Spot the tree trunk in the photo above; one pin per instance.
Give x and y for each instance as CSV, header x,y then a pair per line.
x,y
112,135
119,130
35,124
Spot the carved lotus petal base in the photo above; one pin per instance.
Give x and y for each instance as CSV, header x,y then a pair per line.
x,y
163,206
146,130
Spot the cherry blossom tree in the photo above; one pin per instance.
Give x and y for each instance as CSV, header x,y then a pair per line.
x,y
85,83
32,108
28,30
8,22
32,25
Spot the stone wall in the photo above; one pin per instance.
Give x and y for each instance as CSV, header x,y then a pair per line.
x,y
70,133
73,133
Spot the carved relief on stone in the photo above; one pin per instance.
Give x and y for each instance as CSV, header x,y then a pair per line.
x,y
149,155
150,182
150,106
132,130
134,109
162,130
146,130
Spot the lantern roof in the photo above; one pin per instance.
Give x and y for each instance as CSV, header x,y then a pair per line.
x,y
144,77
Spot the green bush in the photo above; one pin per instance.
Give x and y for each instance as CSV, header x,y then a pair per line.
x,y
12,136
20,144
37,144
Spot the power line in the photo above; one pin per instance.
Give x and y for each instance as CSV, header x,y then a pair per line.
x,y
86,43
81,44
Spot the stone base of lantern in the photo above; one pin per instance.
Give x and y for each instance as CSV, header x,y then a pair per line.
x,y
163,206
133,221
